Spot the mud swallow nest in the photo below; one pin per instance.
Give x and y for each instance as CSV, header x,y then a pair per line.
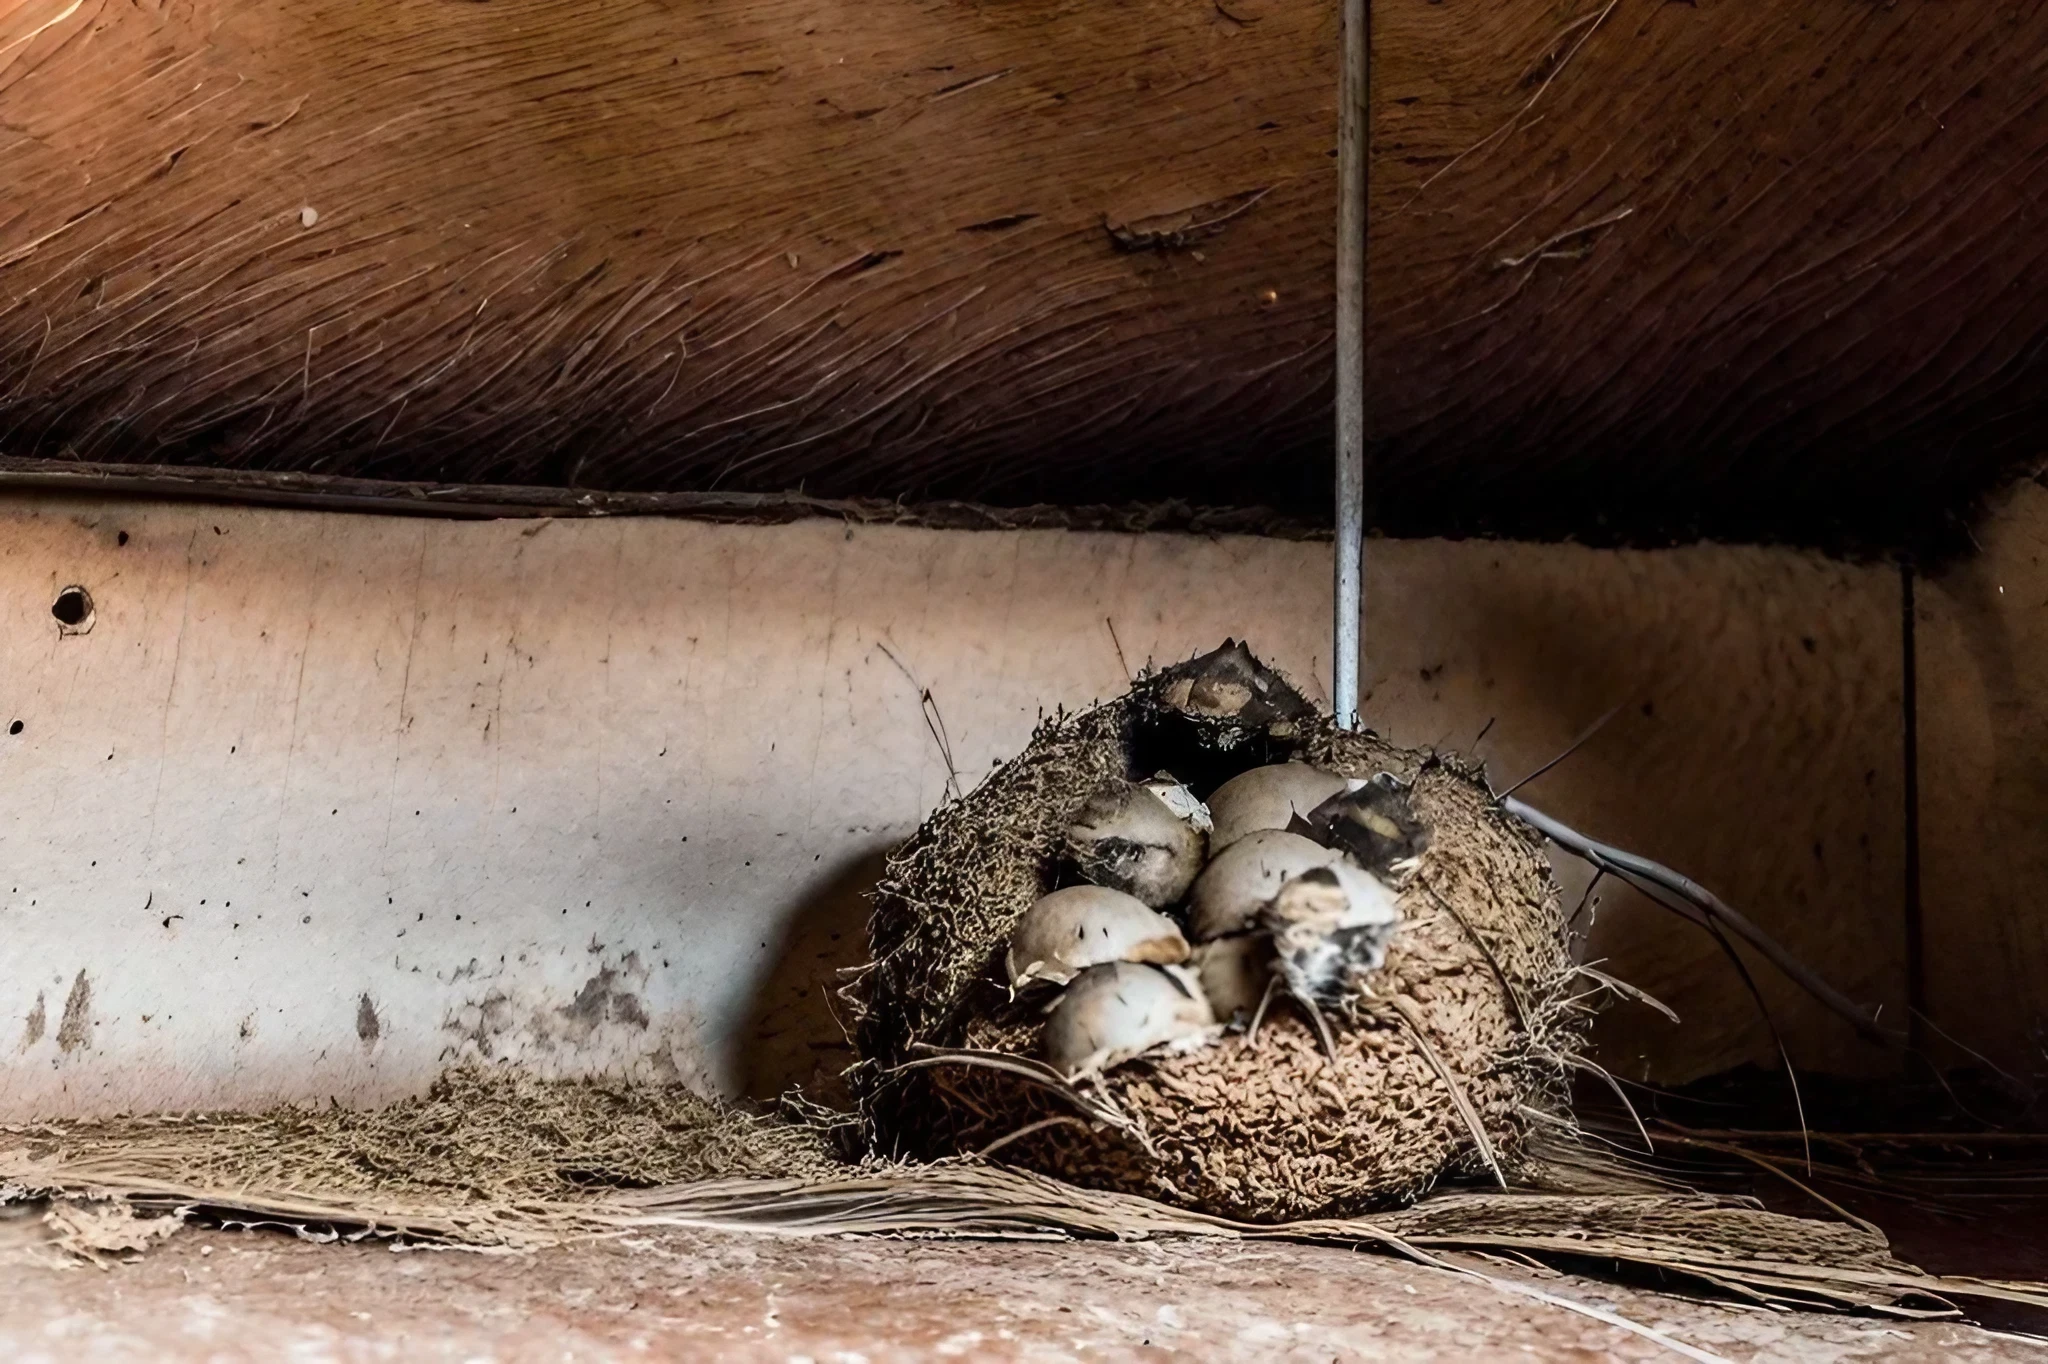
x,y
1468,1028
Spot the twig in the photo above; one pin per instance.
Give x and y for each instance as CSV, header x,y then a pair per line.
x,y
1037,1073
1628,991
1251,1032
1587,898
1516,118
1057,1120
1595,1068
1412,1016
1850,1140
1507,988
1571,748
1118,644
1639,870
1543,252
1599,1314
1777,1038
1662,895
933,721
936,723
1771,1167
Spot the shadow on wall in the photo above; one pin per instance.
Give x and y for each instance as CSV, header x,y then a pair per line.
x,y
794,1036
1756,747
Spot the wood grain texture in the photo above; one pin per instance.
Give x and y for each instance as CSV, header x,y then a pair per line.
x,y
1636,267
735,245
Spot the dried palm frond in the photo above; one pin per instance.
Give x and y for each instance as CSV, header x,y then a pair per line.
x,y
568,1151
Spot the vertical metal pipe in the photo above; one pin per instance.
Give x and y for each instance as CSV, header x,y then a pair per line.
x,y
1916,926
1353,86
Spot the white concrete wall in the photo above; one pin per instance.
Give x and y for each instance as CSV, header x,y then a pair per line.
x,y
322,803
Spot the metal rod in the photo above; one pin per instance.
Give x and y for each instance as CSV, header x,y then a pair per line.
x,y
1916,927
1352,88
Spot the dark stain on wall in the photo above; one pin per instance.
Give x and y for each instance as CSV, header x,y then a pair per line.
x,y
601,1000
75,1030
33,1025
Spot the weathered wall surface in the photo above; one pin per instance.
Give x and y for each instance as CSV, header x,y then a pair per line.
x,y
1745,266
1984,788
320,803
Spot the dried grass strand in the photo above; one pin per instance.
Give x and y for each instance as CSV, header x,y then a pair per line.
x,y
1419,1030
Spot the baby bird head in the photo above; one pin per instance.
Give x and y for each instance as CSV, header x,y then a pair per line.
x,y
1328,924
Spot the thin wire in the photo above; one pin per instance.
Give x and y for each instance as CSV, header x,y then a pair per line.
x,y
1353,85
1571,748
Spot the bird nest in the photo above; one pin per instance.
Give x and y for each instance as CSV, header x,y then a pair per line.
x,y
1433,1067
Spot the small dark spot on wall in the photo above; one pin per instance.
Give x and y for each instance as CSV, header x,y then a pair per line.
x,y
73,610
16,727
32,1027
75,1030
1649,709
122,538
1808,643
368,1029
247,1029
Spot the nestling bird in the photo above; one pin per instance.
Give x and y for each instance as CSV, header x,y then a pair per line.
x,y
1327,924
1232,890
1230,684
1268,797
1376,823
1129,837
1071,930
1118,1010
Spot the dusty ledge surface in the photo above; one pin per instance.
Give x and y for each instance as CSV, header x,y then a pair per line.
x,y
231,1296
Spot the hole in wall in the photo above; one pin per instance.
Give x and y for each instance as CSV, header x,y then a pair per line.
x,y
14,728
73,610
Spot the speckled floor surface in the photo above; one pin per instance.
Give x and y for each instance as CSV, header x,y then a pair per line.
x,y
223,1297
